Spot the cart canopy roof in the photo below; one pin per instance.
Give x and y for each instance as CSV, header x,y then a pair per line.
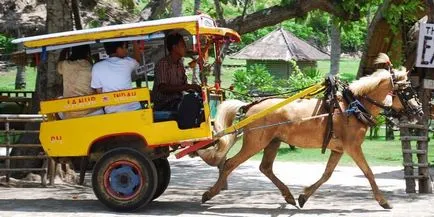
x,y
147,30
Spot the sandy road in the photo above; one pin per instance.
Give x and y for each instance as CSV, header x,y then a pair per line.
x,y
347,193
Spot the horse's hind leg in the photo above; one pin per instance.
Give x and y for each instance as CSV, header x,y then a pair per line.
x,y
331,165
244,154
357,154
266,168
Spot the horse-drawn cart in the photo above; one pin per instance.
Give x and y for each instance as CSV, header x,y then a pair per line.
x,y
131,148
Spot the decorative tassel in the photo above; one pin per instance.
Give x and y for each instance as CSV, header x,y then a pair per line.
x,y
388,101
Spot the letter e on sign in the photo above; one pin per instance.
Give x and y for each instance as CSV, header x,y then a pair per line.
x,y
425,47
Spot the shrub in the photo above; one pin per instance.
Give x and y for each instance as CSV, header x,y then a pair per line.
x,y
256,79
300,80
6,44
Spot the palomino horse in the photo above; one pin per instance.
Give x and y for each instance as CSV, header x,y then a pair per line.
x,y
347,137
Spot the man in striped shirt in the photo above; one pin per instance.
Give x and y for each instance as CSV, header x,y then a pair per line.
x,y
170,79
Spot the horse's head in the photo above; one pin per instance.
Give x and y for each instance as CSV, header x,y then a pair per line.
x,y
389,88
406,99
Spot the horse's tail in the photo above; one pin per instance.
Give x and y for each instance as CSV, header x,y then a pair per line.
x,y
226,113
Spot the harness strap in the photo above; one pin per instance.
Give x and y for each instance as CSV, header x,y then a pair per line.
x,y
372,101
330,103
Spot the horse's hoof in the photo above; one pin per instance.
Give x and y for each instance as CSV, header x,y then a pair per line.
x,y
290,200
386,205
206,196
302,200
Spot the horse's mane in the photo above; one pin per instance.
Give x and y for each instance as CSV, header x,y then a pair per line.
x,y
368,83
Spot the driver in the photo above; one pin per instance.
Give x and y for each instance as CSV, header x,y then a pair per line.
x,y
170,79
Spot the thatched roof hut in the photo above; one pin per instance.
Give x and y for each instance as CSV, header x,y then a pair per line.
x,y
276,49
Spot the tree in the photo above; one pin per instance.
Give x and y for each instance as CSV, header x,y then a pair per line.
x,y
278,13
196,7
385,33
20,78
48,82
153,9
335,38
176,8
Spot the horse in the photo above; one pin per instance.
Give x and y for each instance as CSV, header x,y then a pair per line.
x,y
307,123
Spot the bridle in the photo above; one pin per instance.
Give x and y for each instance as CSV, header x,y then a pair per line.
x,y
406,95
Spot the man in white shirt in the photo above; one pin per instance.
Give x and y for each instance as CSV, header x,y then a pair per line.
x,y
114,73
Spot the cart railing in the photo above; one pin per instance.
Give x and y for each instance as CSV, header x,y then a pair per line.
x,y
6,143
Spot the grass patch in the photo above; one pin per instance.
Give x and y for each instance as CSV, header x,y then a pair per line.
x,y
377,152
347,68
7,79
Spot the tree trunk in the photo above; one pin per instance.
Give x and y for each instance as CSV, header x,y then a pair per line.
x,y
20,78
176,8
196,7
153,9
48,81
195,77
279,13
381,38
219,10
76,14
335,37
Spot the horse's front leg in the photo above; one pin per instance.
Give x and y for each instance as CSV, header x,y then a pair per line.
x,y
266,168
331,165
357,155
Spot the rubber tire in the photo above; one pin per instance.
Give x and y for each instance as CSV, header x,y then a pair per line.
x,y
145,193
163,171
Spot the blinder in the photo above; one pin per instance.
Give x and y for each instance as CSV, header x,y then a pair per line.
x,y
407,96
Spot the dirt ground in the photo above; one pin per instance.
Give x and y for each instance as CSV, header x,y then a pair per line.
x,y
250,193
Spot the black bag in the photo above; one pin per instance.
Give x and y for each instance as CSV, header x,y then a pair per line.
x,y
190,111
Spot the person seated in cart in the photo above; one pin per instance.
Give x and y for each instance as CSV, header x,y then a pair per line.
x,y
115,73
76,71
170,79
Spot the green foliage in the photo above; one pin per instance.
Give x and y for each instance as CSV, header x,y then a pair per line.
x,y
308,77
6,44
407,11
101,13
94,24
354,35
379,121
127,4
255,79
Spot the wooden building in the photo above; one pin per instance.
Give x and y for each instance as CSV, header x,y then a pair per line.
x,y
276,49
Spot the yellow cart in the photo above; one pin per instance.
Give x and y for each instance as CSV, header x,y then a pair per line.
x,y
130,149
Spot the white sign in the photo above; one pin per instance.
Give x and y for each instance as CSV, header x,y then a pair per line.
x,y
428,84
425,48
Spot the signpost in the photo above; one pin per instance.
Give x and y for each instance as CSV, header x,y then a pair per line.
x,y
424,61
425,48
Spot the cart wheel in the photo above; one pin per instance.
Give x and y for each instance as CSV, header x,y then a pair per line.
x,y
163,172
124,179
